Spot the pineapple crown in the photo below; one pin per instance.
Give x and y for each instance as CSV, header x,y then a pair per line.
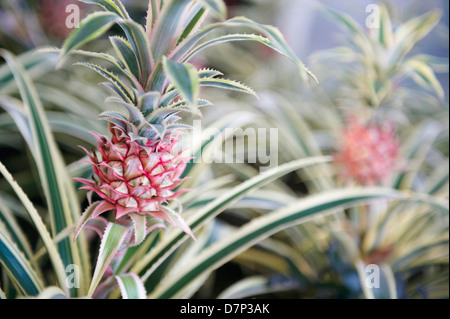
x,y
378,59
151,77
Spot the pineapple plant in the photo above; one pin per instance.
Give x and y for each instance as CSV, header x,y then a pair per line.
x,y
138,201
381,130
138,167
141,165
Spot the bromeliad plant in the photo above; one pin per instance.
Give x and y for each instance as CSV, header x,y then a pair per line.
x,y
327,257
138,169
141,165
368,153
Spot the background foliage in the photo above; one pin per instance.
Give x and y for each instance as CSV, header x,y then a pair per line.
x,y
298,231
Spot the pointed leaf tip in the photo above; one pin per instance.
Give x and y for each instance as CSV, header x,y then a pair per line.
x,y
185,79
92,27
217,8
131,286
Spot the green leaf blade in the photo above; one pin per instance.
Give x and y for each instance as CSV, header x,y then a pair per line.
x,y
111,243
228,85
18,267
131,286
264,227
163,36
110,6
140,45
185,78
55,258
163,250
119,87
92,27
49,162
217,7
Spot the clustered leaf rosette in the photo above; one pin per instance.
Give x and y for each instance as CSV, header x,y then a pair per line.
x,y
367,153
137,171
136,178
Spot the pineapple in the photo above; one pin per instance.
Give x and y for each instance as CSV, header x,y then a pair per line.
x,y
135,179
368,153
138,170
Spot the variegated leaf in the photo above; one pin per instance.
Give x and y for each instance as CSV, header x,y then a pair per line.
x,y
131,286
111,244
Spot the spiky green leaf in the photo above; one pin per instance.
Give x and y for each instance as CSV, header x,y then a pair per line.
x,y
118,86
109,5
111,243
48,159
164,34
92,27
41,229
17,266
131,286
126,54
185,78
217,7
227,84
164,249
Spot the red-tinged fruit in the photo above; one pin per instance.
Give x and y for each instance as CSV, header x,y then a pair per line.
x,y
367,153
135,178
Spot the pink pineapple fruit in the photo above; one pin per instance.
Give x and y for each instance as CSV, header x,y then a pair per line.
x,y
367,153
